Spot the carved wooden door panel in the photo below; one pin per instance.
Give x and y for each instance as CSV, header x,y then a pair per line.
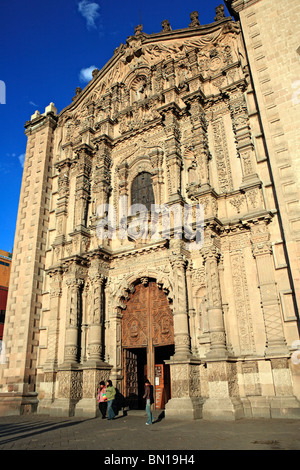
x,y
147,324
160,317
135,326
148,318
131,373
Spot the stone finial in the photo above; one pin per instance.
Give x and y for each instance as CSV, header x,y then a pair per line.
x,y
35,115
78,91
95,73
220,13
166,26
51,109
194,19
138,29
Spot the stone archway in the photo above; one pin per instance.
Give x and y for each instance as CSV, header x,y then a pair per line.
x,y
147,341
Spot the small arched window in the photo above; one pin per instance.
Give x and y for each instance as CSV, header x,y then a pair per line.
x,y
142,190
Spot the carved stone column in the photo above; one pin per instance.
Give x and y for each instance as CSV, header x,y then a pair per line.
x,y
115,353
53,330
242,132
101,173
69,375
261,249
62,201
192,311
156,157
173,152
82,194
95,333
218,349
93,369
73,321
47,387
181,325
199,143
223,400
186,402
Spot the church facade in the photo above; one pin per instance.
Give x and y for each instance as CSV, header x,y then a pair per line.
x,y
110,277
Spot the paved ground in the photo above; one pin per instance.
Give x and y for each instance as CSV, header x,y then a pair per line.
x,y
130,433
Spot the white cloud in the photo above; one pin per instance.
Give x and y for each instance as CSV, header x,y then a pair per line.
x,y
22,159
33,103
85,75
89,11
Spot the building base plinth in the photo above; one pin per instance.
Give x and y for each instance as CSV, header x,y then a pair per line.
x,y
12,403
87,408
225,409
62,407
184,408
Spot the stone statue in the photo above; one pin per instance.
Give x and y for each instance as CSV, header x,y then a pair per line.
x,y
194,19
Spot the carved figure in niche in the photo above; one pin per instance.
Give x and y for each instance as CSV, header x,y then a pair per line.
x,y
166,26
139,88
141,92
192,174
192,165
194,19
182,75
228,59
203,313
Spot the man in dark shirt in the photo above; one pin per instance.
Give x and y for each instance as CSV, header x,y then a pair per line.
x,y
149,400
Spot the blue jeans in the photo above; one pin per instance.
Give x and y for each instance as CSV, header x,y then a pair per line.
x,y
148,410
110,411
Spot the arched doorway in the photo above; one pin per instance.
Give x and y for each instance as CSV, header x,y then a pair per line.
x,y
147,342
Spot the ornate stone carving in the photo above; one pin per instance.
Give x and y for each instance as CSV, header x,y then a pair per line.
x,y
222,156
218,347
194,19
242,303
166,26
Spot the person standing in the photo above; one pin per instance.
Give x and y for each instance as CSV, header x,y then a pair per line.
x,y
102,399
149,400
110,394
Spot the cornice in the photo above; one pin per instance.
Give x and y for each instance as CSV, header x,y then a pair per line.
x,y
40,121
236,6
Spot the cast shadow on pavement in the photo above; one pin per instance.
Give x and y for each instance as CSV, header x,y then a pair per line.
x,y
30,429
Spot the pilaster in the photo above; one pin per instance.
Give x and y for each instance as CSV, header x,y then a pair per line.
x,y
218,348
24,303
262,252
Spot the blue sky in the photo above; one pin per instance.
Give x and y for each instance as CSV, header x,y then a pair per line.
x,y
47,49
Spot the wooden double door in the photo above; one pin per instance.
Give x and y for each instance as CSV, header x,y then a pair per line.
x,y
147,341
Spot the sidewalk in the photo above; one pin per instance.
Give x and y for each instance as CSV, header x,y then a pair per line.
x,y
41,432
